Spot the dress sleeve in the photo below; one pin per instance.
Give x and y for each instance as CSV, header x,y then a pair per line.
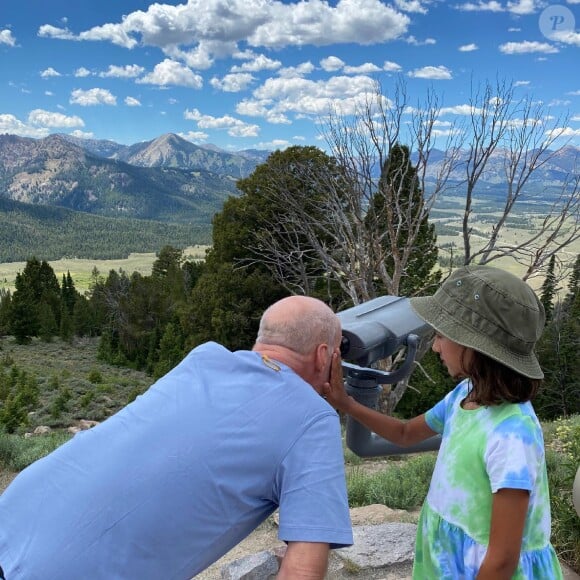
x,y
437,415
513,454
312,487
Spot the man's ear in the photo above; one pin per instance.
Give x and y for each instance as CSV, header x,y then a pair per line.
x,y
321,356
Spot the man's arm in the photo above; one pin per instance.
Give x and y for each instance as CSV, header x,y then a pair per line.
x,y
304,561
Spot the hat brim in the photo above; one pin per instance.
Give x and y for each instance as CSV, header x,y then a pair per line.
x,y
451,327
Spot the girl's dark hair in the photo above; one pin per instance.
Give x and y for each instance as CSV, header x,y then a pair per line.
x,y
494,383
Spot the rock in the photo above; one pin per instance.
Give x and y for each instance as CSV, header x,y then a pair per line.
x,y
382,546
258,566
42,430
85,424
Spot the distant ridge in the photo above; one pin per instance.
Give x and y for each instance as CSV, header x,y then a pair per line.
x,y
51,233
57,171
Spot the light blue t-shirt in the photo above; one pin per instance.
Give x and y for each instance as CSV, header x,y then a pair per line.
x,y
174,480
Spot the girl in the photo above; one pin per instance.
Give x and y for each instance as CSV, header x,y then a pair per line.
x,y
487,513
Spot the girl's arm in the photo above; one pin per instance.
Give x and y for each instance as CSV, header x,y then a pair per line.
x,y
508,516
402,433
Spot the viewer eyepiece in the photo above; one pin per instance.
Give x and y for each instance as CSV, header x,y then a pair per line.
x,y
344,346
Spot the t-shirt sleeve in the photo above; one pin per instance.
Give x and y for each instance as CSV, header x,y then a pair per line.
x,y
437,415
513,454
312,487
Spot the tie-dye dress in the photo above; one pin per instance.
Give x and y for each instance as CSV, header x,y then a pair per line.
x,y
482,451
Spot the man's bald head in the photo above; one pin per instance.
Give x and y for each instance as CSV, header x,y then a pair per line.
x,y
298,323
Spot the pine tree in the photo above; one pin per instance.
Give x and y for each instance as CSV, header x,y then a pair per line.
x,y
548,290
399,186
47,327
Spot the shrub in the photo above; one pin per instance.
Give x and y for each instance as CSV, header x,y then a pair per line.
x,y
562,460
16,452
95,377
400,486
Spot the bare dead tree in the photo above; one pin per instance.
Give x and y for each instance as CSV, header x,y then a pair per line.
x,y
517,132
348,237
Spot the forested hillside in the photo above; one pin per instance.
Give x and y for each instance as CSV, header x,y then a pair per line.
x,y
53,233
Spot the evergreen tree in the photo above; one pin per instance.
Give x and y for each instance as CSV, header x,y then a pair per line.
x,y
558,354
47,327
170,350
24,313
36,286
66,330
83,319
399,186
5,311
548,290
69,294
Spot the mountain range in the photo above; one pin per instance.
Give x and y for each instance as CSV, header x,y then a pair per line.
x,y
167,179
172,181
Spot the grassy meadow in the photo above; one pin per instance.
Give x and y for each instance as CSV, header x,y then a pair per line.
x,y
81,270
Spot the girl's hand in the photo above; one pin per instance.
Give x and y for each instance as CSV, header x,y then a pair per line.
x,y
333,391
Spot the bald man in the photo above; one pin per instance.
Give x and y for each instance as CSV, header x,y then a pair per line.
x,y
166,486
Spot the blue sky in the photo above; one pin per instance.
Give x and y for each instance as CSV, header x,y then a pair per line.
x,y
261,73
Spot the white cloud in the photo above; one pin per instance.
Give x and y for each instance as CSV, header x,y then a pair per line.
x,y
432,72
48,31
331,64
574,93
92,97
317,23
232,83
302,70
7,38
11,124
575,118
111,32
480,6
82,72
459,110
415,42
521,83
564,132
468,47
128,71
257,63
274,144
132,102
522,7
567,37
366,68
526,47
391,66
411,6
235,127
170,72
278,97
82,134
198,31
195,136
42,118
49,72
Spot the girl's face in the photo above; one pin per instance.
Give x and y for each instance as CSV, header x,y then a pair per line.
x,y
452,355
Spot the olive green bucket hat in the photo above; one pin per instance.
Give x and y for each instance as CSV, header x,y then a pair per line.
x,y
491,311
